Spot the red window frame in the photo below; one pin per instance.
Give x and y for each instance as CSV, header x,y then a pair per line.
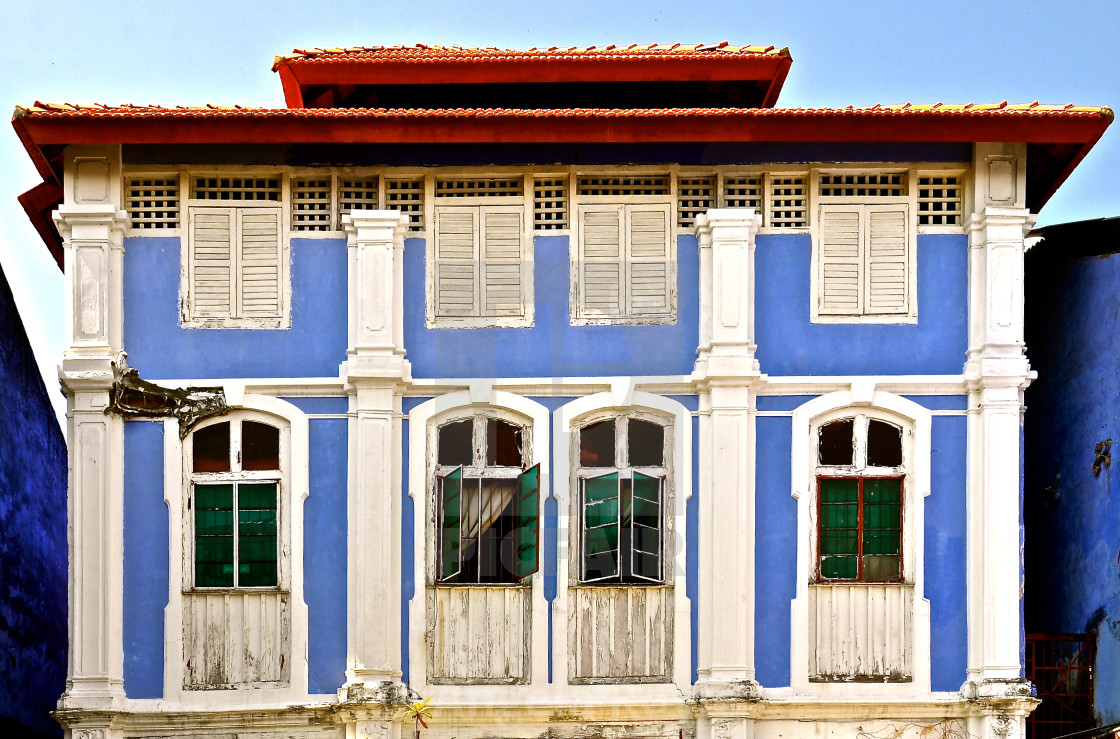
x,y
859,536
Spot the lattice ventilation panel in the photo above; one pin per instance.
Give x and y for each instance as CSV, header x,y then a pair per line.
x,y
743,192
789,207
939,200
235,188
615,185
407,196
550,204
695,195
153,202
464,187
879,185
311,203
356,193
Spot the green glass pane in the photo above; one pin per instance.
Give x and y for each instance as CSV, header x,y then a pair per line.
x,y
256,549
604,513
259,496
839,542
527,525
882,567
209,575
257,575
646,566
600,488
256,522
598,541
647,488
647,540
450,533
839,491
838,568
213,523
881,542
214,549
213,497
646,513
878,490
882,516
839,516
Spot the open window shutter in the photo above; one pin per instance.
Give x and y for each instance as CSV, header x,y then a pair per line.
x,y
526,526
503,292
600,259
888,260
645,528
259,263
649,267
841,286
210,265
456,267
450,530
600,530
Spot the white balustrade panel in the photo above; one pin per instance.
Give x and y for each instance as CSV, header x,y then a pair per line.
x,y
620,634
861,633
234,639
479,635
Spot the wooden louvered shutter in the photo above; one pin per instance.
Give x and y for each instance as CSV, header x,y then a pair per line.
x,y
503,269
649,267
456,262
841,261
887,260
259,267
211,262
601,260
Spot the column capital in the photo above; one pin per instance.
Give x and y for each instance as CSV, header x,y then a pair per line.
x,y
86,221
726,241
373,225
375,241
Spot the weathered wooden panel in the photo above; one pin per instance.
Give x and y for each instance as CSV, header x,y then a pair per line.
x,y
620,634
861,633
236,639
479,634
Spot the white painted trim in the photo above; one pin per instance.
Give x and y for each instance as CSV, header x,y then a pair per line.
x,y
875,404
422,420
623,397
296,489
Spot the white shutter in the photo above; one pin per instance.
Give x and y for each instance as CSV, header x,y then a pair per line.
x,y
259,267
649,267
888,260
456,262
601,268
210,289
503,269
841,286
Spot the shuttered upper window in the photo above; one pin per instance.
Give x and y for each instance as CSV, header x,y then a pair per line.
x,y
236,268
481,273
865,263
625,269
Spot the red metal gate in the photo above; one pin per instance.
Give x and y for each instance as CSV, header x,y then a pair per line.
x,y
1061,668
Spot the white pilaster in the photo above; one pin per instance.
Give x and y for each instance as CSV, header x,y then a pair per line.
x,y
92,226
374,369
998,373
728,371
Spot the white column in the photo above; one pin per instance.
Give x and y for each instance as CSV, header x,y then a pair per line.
x,y
374,370
92,229
728,371
998,373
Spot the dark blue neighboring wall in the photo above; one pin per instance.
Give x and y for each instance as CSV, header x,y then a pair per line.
x,y
32,539
1072,514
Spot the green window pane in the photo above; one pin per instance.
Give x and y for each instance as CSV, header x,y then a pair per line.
x,y
214,549
600,488
527,525
603,513
839,542
257,575
882,567
839,516
208,575
879,490
213,523
256,522
257,496
881,542
599,541
882,516
213,497
451,489
647,540
839,491
646,566
839,568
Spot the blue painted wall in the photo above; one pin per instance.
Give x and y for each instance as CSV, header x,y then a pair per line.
x,y
788,344
776,543
160,348
32,538
1073,524
552,347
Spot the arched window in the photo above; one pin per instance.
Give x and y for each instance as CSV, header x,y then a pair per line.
x,y
235,476
488,503
622,474
860,471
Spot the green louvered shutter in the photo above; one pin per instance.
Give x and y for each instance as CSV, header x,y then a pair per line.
x,y
527,524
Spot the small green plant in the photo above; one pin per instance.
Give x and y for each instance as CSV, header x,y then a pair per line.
x,y
418,712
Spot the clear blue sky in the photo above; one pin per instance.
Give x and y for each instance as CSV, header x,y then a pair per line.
x,y
844,53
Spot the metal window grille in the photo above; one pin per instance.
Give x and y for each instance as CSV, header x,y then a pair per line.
x,y
788,202
612,185
550,204
882,185
743,192
311,203
235,188
939,200
695,195
463,187
407,196
1061,668
356,193
153,202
